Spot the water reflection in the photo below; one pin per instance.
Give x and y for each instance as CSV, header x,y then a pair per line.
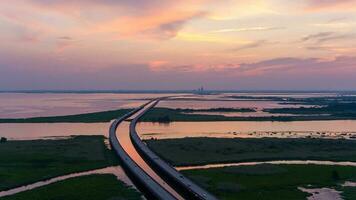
x,y
322,193
258,113
124,139
195,104
41,130
277,162
324,129
147,130
24,105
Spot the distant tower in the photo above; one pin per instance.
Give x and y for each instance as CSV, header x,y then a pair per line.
x,y
200,90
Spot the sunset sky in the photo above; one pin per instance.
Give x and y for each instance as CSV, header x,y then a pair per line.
x,y
152,44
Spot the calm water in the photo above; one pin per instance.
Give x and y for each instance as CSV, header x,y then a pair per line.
x,y
241,114
40,130
22,105
275,162
29,105
248,129
331,129
196,104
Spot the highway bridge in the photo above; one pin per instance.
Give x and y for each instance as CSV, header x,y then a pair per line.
x,y
155,178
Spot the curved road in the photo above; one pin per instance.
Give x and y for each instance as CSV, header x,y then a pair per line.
x,y
152,186
155,178
183,185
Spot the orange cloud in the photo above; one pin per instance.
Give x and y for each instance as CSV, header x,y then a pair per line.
x,y
161,25
144,19
156,65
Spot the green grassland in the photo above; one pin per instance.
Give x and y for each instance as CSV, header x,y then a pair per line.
x,y
321,100
273,182
23,162
222,109
197,151
104,116
340,111
166,115
336,109
91,187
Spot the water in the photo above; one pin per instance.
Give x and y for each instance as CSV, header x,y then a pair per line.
x,y
147,130
196,104
39,130
259,113
276,162
224,100
322,193
286,94
19,105
247,129
24,105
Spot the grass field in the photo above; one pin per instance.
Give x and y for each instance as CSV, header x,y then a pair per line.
x,y
23,162
320,101
196,151
166,115
273,182
221,109
335,109
91,187
104,116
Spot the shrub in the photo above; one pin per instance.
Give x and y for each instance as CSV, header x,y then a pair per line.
x,y
3,140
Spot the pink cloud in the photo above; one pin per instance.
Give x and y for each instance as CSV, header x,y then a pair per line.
x,y
145,19
332,4
273,66
157,65
161,25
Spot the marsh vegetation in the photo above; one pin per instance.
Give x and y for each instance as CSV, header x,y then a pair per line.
x,y
24,162
273,182
199,151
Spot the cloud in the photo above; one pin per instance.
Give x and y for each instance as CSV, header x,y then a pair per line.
x,y
275,65
137,4
65,38
299,66
336,23
336,37
332,48
323,37
248,29
108,18
64,42
285,65
157,65
317,36
143,19
314,5
166,29
21,28
251,45
279,73
90,35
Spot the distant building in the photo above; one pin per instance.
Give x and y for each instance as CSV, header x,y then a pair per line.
x,y
201,91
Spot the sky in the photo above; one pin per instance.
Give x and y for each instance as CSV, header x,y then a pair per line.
x,y
169,45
